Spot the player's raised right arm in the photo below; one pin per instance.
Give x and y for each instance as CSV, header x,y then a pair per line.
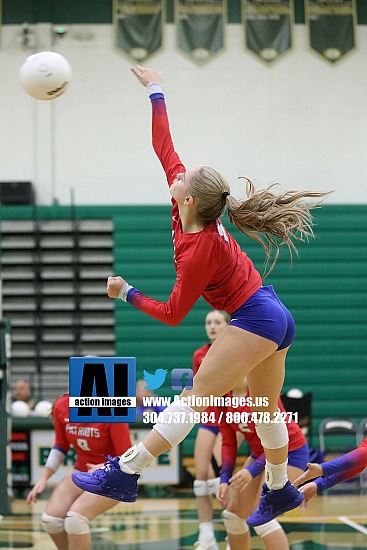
x,y
161,135
146,76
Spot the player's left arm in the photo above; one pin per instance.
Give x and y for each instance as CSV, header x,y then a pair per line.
x,y
194,271
351,461
337,470
257,466
229,450
324,483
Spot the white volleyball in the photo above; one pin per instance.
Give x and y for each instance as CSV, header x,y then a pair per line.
x,y
295,392
19,408
45,75
43,408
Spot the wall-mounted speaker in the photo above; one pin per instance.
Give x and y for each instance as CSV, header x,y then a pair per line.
x,y
16,192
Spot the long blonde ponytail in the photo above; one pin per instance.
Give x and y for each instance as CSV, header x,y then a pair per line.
x,y
269,218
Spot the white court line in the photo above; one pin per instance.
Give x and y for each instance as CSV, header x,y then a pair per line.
x,y
9,524
317,519
354,525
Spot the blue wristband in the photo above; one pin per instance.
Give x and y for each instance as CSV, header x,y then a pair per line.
x,y
130,294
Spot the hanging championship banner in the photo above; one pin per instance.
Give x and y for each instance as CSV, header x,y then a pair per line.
x,y
138,27
268,27
331,26
200,28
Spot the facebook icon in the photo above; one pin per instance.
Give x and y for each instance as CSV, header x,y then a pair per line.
x,y
182,378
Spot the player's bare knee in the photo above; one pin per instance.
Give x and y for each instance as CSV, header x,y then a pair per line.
x,y
76,524
52,525
234,524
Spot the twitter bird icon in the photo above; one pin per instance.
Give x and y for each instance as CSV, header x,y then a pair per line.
x,y
155,380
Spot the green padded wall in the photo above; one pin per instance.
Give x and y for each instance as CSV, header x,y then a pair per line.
x,y
326,292
325,288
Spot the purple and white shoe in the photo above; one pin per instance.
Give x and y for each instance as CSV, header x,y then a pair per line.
x,y
109,481
274,503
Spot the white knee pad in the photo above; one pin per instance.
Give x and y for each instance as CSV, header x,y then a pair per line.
x,y
76,524
175,432
52,525
201,488
234,524
273,436
213,485
267,528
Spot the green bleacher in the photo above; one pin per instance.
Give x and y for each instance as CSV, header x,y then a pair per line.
x,y
325,288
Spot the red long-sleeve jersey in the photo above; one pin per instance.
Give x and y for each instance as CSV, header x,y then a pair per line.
x,y
90,441
198,357
208,263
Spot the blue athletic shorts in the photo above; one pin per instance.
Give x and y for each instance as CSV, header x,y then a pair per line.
x,y
265,315
210,427
298,458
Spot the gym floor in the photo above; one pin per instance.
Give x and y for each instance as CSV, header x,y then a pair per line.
x,y
336,521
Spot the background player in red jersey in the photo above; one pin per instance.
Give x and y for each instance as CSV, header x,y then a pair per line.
x,y
209,263
69,509
332,472
207,444
240,493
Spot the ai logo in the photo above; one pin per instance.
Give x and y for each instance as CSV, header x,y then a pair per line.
x,y
102,389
